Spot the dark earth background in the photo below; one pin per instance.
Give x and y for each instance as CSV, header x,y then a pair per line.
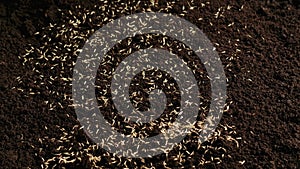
x,y
260,52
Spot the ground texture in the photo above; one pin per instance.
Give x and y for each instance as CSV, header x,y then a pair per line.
x,y
258,43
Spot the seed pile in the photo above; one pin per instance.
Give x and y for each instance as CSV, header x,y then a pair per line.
x,y
52,63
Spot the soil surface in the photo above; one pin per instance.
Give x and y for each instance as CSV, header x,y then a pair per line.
x,y
257,41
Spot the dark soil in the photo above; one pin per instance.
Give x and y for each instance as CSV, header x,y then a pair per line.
x,y
258,43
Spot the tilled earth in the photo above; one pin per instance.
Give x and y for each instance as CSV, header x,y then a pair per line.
x,y
258,43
